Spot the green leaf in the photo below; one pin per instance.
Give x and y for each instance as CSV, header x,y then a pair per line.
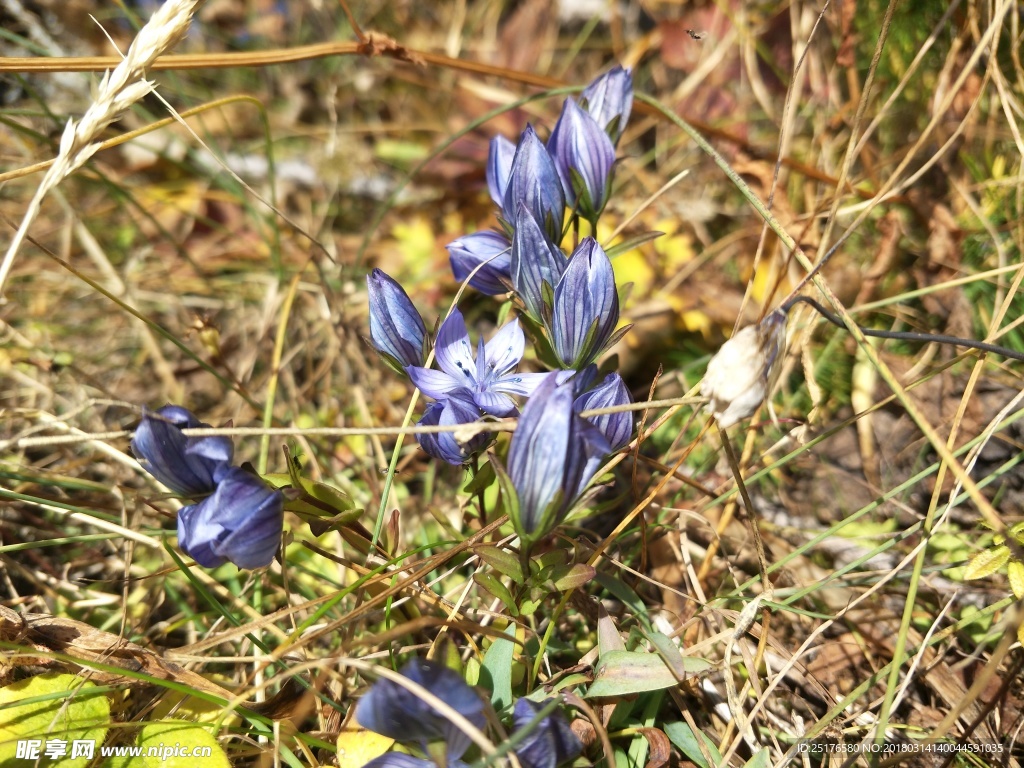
x,y
498,664
759,760
632,242
173,744
986,563
492,584
501,560
52,707
566,577
683,737
621,673
481,481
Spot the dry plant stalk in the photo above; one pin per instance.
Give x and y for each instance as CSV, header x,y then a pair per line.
x,y
119,89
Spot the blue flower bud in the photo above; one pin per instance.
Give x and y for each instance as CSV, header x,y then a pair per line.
x,y
617,428
489,249
240,522
457,408
550,743
499,165
186,465
396,712
553,455
533,181
586,306
536,265
583,156
396,328
609,99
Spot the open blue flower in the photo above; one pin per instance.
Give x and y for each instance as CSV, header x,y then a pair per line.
x,y
241,522
553,456
397,331
396,712
490,378
186,465
457,408
487,250
586,306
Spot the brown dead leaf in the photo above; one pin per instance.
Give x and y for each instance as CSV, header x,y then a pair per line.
x,y
661,749
85,647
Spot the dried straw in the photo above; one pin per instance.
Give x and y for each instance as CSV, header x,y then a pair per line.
x,y
119,89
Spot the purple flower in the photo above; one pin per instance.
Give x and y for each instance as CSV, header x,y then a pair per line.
x,y
536,265
550,742
489,379
487,250
499,166
609,99
533,181
396,328
583,156
586,306
186,465
457,408
553,455
240,522
396,712
617,428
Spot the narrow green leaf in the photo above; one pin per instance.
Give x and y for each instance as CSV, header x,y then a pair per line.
x,y
492,584
632,242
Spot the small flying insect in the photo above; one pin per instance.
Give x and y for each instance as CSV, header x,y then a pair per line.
x,y
695,35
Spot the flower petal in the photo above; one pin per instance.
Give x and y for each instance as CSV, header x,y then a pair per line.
x,y
186,465
523,384
505,349
489,251
240,522
453,351
435,384
499,165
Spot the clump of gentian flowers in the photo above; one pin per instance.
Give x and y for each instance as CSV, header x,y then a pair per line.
x,y
540,731
569,306
235,516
